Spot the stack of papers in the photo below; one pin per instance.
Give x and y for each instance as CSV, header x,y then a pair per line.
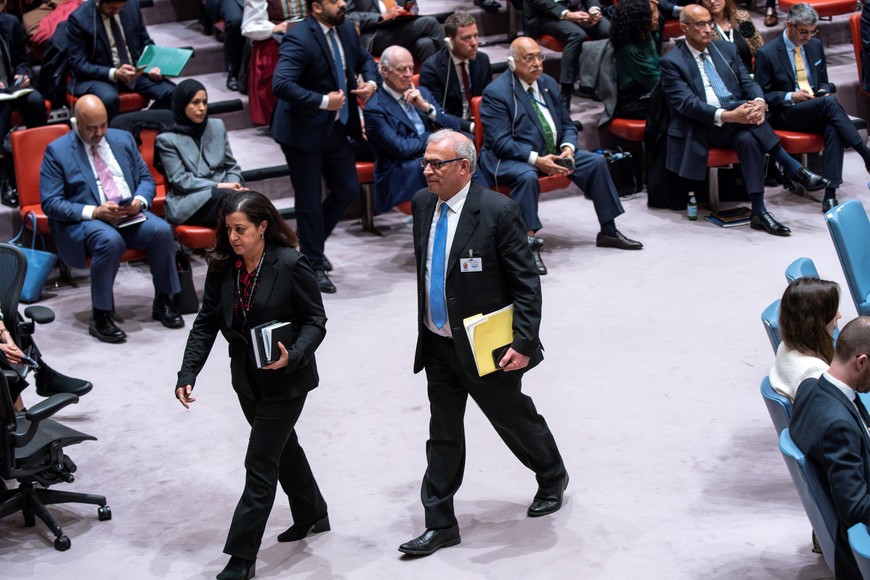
x,y
488,334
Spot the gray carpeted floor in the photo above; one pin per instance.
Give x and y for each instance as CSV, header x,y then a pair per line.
x,y
650,386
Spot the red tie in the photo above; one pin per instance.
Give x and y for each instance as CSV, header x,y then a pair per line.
x,y
466,85
110,188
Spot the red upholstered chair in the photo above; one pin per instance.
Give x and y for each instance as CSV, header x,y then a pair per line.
x,y
546,182
16,118
129,101
193,237
628,129
671,29
365,174
796,143
825,8
551,42
857,44
717,158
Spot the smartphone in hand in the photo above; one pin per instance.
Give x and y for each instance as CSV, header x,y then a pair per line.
x,y
126,201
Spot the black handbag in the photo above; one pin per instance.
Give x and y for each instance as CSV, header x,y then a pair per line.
x,y
186,301
39,262
623,170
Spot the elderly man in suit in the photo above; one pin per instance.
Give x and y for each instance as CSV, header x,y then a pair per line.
x,y
829,424
472,258
106,39
527,133
793,74
96,191
383,23
316,86
458,72
715,103
399,119
571,22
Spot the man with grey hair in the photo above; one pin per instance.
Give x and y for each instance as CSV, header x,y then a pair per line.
x,y
472,258
792,72
398,120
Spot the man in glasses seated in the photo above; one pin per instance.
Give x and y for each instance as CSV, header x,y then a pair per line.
x,y
528,134
715,103
792,72
399,119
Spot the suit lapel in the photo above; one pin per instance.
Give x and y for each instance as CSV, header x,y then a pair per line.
x,y
850,406
525,101
726,72
392,107
694,74
268,276
85,166
785,62
555,108
465,228
320,39
228,290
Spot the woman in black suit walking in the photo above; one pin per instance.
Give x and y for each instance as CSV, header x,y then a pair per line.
x,y
255,275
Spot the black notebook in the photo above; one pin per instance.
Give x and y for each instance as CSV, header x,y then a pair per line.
x,y
265,339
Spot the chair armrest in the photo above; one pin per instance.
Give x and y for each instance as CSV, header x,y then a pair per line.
x,y
39,314
41,411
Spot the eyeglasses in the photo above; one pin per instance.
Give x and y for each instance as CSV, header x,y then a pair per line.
x,y
532,58
403,69
805,32
702,24
436,164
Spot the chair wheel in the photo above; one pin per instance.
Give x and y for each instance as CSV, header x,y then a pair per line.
x,y
104,513
62,544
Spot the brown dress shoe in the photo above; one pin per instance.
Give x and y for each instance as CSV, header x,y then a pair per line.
x,y
770,17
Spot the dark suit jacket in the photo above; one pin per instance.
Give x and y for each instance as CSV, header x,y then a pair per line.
x,y
287,292
439,76
775,74
67,184
828,429
366,15
537,11
90,54
398,147
491,227
305,72
511,126
14,41
691,117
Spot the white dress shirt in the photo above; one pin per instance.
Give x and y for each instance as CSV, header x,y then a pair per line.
x,y
117,175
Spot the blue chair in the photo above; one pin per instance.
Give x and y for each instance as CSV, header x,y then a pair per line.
x,y
770,319
850,231
813,494
859,539
801,268
778,406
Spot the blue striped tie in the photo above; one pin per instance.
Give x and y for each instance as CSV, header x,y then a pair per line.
x,y
437,307
339,73
722,93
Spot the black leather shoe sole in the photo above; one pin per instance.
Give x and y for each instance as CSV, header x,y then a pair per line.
x,y
430,541
104,337
544,506
168,321
829,204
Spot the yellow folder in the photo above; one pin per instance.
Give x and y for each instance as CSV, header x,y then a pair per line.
x,y
488,333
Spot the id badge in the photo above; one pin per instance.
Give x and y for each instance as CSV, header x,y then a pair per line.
x,y
471,265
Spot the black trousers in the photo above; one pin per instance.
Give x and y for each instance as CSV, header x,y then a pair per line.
x,y
511,413
572,36
751,142
825,116
274,455
421,36
317,216
32,107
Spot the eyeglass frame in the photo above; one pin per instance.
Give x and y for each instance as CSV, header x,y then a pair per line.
x,y
804,32
437,164
700,25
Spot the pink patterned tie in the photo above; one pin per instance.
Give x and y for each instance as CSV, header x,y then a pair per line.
x,y
110,189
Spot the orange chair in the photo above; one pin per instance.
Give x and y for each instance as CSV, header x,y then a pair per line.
x,y
716,158
825,8
857,44
671,29
796,143
193,237
546,182
365,174
551,42
129,101
628,129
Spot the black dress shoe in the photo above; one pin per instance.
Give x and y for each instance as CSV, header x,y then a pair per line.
x,y
770,17
535,243
548,502
233,83
809,180
50,382
618,241
766,222
323,281
103,327
8,193
327,265
488,5
237,569
539,263
165,312
432,540
296,532
829,203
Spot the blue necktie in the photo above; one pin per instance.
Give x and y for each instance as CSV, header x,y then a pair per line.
x,y
415,119
437,307
722,93
339,73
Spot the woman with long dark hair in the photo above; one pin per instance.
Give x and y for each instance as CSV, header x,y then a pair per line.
x,y
808,315
257,275
633,33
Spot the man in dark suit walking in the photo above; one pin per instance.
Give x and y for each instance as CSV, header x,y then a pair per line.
x,y
399,119
472,258
793,74
457,73
96,191
106,39
715,103
829,425
527,132
316,86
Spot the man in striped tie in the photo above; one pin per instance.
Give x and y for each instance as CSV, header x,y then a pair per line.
x,y
96,191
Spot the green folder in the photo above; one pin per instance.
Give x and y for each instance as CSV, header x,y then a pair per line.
x,y
171,61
